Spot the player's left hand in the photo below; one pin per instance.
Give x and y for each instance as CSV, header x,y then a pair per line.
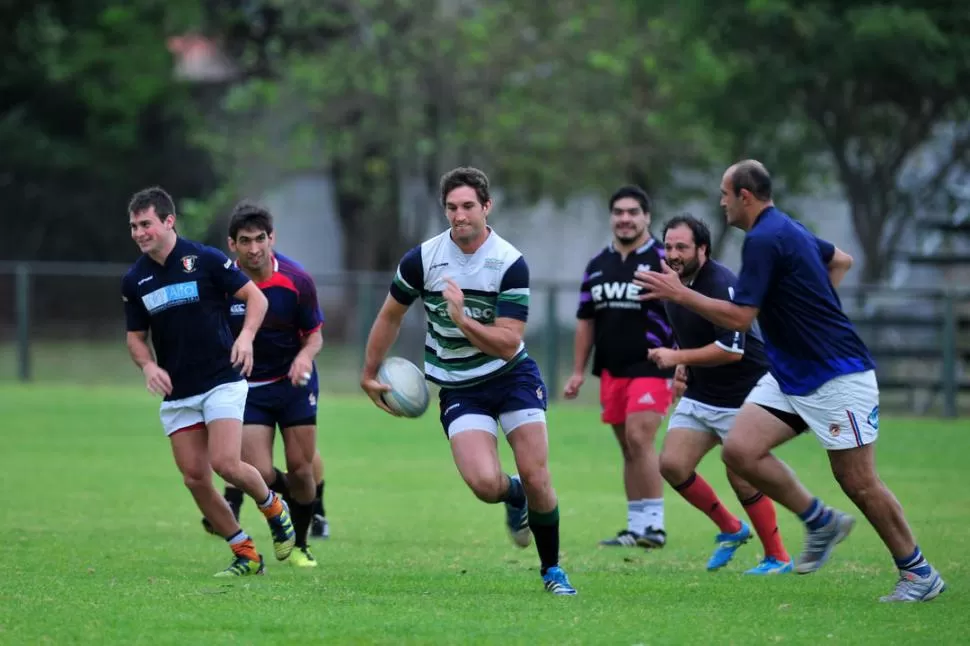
x,y
662,285
456,301
663,357
241,355
300,371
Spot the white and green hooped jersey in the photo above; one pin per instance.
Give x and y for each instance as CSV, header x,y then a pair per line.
x,y
495,282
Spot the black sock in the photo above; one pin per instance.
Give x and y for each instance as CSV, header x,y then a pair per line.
x,y
515,494
301,515
280,486
235,499
545,528
318,508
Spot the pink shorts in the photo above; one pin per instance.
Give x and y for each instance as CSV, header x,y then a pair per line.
x,y
621,396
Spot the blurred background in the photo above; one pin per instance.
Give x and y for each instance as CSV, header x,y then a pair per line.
x,y
341,116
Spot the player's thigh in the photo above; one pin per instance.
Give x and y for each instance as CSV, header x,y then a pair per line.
x,y
765,421
756,432
191,453
687,441
257,448
298,421
474,448
224,409
300,444
843,413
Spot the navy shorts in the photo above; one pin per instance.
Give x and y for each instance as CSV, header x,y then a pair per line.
x,y
511,399
283,404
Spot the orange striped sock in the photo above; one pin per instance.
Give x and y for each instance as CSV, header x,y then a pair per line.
x,y
242,545
274,508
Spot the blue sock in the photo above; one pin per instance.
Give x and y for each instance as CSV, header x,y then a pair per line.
x,y
914,563
515,494
817,515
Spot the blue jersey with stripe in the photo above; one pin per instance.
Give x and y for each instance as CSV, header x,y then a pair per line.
x,y
808,337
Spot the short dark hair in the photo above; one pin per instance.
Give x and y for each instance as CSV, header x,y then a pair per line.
x,y
154,196
250,215
465,176
702,234
752,175
635,192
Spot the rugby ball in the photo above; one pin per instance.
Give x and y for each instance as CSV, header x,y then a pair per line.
x,y
409,392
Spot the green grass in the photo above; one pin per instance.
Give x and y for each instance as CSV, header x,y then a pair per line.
x,y
103,544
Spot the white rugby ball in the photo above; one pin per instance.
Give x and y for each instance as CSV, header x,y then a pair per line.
x,y
409,394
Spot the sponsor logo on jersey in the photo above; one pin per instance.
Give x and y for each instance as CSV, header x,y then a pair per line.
x,y
171,296
189,263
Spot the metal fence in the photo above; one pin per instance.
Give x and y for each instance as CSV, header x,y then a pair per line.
x,y
64,322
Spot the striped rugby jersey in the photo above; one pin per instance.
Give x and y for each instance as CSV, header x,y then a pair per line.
x,y
495,282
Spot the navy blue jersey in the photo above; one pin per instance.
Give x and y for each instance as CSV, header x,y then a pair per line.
x,y
725,386
184,304
292,314
625,328
784,273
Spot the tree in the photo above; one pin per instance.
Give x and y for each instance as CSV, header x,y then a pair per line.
x,y
870,91
89,113
550,99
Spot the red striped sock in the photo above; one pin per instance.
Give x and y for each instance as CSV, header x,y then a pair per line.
x,y
697,492
761,511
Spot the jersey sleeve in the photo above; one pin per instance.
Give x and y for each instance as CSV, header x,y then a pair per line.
x,y
585,309
408,283
826,249
513,296
225,274
728,340
309,315
759,257
136,316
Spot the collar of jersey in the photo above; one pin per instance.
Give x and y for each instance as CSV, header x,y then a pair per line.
x,y
465,256
646,245
276,265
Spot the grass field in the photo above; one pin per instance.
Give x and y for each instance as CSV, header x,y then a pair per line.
x,y
103,544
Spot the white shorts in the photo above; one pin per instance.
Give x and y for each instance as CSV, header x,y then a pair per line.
x,y
509,421
694,415
843,412
225,401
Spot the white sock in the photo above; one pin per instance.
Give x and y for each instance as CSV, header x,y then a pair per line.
x,y
635,516
653,513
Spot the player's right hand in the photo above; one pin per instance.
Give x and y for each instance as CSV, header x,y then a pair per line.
x,y
680,381
157,380
573,385
374,390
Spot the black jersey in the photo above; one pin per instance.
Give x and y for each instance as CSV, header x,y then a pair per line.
x,y
725,386
625,328
185,305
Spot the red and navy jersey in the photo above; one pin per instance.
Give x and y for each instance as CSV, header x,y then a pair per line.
x,y
293,313
183,303
625,328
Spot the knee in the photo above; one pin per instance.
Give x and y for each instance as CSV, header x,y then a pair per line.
x,y
674,469
858,485
227,468
196,478
640,438
535,480
486,487
737,456
299,468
